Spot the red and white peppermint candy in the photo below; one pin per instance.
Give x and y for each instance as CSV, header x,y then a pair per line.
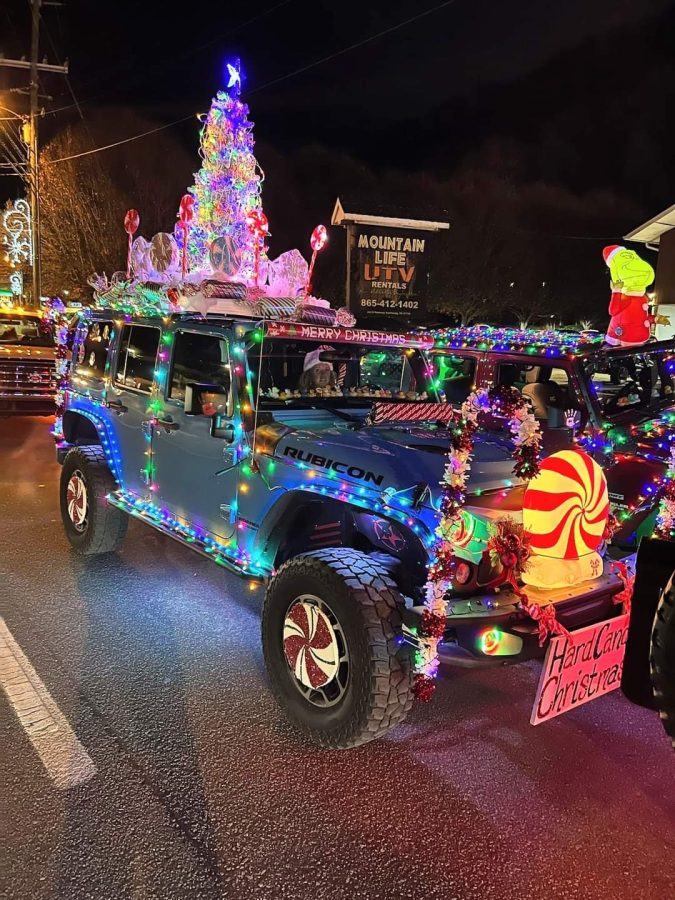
x,y
310,645
319,238
131,221
257,224
565,507
186,208
76,500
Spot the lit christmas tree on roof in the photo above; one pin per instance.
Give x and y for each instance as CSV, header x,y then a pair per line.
x,y
227,188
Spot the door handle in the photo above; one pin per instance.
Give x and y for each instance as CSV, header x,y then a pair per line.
x,y
167,424
117,406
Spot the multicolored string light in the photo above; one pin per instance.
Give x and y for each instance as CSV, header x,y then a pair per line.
x,y
228,186
534,341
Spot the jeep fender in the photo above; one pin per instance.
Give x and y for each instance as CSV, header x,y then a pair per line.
x,y
301,521
86,427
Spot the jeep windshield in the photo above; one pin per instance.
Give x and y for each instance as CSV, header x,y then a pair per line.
x,y
25,330
301,374
635,383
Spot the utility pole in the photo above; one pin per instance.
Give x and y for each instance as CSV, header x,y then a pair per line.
x,y
33,159
30,134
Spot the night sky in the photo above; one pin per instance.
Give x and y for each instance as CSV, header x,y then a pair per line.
x,y
573,100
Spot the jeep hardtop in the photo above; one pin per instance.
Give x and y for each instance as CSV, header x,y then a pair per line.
x,y
291,452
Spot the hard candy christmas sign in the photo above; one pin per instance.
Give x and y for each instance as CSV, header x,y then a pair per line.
x,y
389,271
580,667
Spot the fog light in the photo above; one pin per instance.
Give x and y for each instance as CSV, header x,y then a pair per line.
x,y
490,641
493,642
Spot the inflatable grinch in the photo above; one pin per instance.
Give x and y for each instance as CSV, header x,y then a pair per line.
x,y
630,276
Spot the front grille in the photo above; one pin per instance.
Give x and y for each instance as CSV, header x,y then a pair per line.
x,y
27,378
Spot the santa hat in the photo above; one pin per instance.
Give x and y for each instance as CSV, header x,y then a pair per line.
x,y
313,358
611,251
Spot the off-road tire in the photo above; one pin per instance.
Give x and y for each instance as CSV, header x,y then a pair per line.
x,y
367,605
662,658
106,526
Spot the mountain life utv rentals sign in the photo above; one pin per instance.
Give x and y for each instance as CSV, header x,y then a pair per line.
x,y
388,264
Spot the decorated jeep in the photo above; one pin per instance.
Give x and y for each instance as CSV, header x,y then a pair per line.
x,y
319,457
617,403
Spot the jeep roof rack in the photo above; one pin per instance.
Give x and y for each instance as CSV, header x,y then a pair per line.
x,y
542,341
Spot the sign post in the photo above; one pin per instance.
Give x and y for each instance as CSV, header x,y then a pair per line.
x,y
388,265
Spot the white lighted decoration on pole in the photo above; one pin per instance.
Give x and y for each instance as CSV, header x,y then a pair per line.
x,y
16,225
16,283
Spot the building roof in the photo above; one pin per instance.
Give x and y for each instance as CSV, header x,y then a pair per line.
x,y
651,231
389,215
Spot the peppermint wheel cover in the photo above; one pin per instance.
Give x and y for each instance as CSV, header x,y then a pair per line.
x,y
310,644
76,500
565,508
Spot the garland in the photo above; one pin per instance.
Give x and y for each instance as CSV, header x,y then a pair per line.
x,y
507,542
665,520
56,319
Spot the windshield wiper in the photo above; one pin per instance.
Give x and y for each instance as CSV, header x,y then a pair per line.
x,y
346,417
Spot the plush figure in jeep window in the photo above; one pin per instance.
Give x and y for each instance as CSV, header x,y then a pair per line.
x,y
630,277
318,374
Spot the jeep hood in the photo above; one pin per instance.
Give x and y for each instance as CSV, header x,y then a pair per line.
x,y
393,457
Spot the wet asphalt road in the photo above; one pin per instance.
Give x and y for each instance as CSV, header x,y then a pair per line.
x,y
203,791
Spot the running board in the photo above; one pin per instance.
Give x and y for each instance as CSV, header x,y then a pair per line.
x,y
236,562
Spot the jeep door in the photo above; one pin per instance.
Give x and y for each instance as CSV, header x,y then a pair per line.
x,y
129,399
194,454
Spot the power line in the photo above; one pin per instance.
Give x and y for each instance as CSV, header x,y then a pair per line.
x,y
173,60
58,59
362,43
312,65
135,137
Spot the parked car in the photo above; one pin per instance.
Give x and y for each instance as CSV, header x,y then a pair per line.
x,y
620,402
252,441
27,373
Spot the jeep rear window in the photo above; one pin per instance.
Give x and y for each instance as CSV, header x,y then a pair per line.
x,y
92,351
296,373
635,381
136,360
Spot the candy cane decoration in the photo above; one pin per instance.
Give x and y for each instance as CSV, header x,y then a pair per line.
x,y
185,214
131,222
257,224
318,241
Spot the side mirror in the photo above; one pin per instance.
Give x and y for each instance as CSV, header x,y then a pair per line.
x,y
205,399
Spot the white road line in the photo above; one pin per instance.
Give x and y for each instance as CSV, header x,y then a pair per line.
x,y
63,756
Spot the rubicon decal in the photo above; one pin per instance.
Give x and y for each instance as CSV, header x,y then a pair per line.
x,y
323,462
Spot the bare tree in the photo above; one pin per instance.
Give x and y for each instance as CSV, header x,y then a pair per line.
x,y
81,215
83,200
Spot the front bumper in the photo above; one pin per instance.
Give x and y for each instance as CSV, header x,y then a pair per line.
x,y
492,629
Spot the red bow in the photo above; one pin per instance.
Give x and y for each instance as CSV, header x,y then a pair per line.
x,y
546,620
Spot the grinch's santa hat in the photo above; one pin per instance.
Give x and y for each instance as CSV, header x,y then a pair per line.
x,y
611,251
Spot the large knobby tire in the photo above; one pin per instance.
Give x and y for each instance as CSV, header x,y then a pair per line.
x,y
92,526
337,613
662,658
